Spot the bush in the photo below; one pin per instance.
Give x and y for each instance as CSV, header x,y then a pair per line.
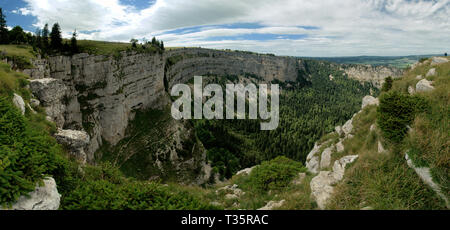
x,y
396,112
26,155
275,174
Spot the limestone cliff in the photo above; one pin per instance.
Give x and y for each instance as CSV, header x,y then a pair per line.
x,y
372,74
100,94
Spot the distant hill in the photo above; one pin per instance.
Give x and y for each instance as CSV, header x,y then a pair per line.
x,y
395,61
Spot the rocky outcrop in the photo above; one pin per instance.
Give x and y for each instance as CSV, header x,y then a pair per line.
x,y
325,159
246,171
44,197
348,127
369,100
431,72
425,175
438,60
231,192
312,160
51,92
76,141
273,205
373,74
322,184
19,103
424,86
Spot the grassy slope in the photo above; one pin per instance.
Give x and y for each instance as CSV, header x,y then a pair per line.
x,y
383,180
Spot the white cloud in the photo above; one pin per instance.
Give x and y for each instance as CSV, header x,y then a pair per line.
x,y
346,27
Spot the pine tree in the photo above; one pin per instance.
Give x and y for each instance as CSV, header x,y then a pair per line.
x,y
162,45
74,43
56,39
3,29
45,34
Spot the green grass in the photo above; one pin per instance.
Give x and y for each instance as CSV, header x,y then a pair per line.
x,y
383,180
102,47
18,50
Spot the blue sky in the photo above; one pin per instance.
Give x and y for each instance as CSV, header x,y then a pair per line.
x,y
284,27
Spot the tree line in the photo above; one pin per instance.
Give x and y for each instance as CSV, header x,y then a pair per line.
x,y
43,41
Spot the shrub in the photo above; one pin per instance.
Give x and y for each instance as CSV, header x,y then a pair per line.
x,y
275,174
396,112
26,155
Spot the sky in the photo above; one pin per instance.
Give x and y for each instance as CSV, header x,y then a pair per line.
x,y
315,28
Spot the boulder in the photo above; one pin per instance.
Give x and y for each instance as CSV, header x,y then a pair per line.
x,y
50,92
380,148
325,160
369,100
35,103
340,147
75,140
419,77
348,127
313,164
431,72
340,165
411,90
321,188
424,86
19,103
438,60
273,205
246,171
322,184
373,127
44,197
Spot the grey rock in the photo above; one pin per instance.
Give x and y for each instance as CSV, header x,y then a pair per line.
x,y
340,147
369,100
246,171
373,127
325,160
425,175
424,86
273,205
411,90
313,164
75,140
44,197
431,72
380,147
338,130
348,127
35,103
438,60
419,77
19,103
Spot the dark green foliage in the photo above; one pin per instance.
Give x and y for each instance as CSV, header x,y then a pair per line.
x,y
309,107
55,36
26,154
17,35
275,174
387,84
74,44
396,112
4,36
223,162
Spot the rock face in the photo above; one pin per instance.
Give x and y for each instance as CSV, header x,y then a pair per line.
x,y
76,141
19,103
50,93
424,86
348,127
325,160
312,160
339,147
369,100
44,197
322,184
367,73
